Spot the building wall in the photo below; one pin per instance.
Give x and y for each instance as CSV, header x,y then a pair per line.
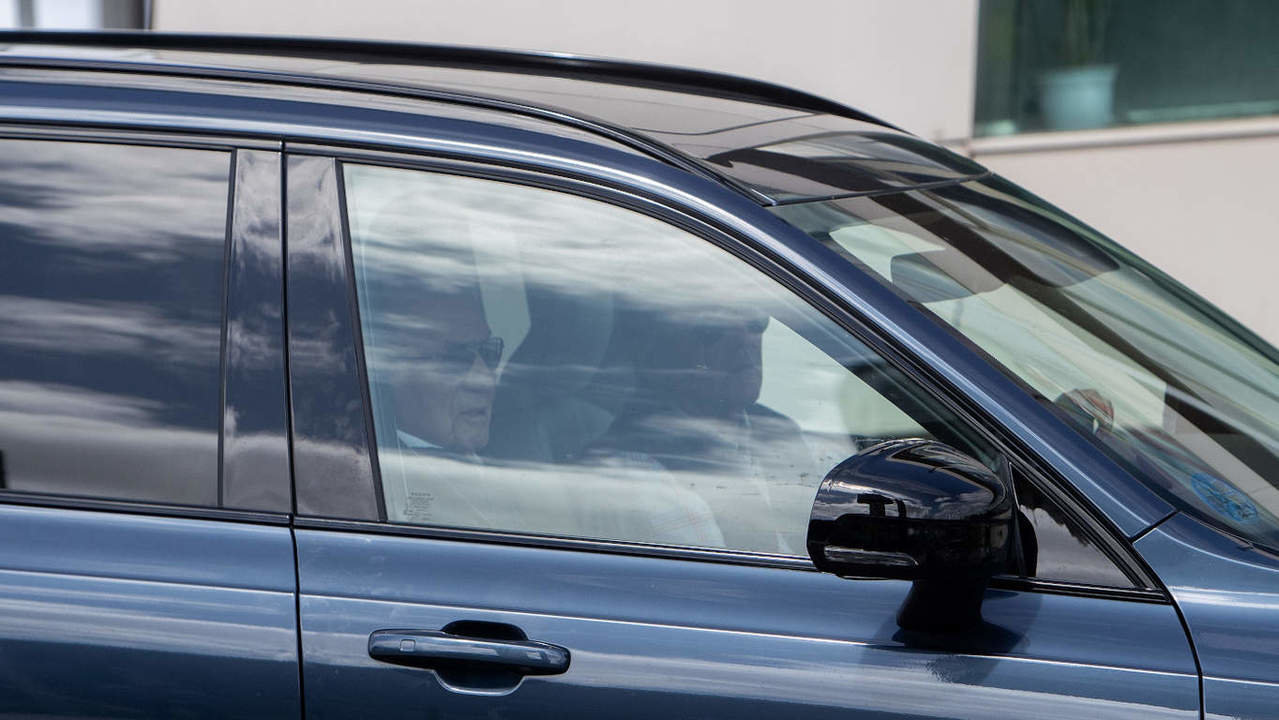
x,y
1194,199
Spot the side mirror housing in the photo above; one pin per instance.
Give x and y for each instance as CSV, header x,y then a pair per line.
x,y
916,510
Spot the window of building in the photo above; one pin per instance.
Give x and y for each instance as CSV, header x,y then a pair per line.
x,y
74,14
1079,64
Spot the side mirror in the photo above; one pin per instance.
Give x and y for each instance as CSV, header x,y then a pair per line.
x,y
916,510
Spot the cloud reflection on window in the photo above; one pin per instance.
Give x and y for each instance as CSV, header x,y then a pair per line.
x,y
111,283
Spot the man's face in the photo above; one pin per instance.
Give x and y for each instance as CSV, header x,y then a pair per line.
x,y
733,364
446,396
712,368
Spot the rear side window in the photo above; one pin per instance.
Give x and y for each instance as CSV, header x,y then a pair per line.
x,y
111,275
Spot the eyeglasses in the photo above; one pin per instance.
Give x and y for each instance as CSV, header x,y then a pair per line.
x,y
457,358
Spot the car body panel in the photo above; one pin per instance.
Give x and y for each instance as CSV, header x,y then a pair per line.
x,y
108,614
1228,591
718,639
256,471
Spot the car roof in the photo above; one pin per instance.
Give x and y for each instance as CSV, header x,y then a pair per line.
x,y
773,143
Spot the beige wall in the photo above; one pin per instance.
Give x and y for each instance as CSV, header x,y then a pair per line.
x,y
908,61
1204,211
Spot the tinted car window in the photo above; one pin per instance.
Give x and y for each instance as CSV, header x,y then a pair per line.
x,y
111,290
1057,547
544,363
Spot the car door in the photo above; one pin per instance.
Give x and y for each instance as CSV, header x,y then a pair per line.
x,y
146,563
555,449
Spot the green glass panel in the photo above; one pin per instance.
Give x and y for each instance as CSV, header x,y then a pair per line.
x,y
1079,64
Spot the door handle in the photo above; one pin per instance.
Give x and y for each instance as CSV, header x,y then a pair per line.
x,y
442,650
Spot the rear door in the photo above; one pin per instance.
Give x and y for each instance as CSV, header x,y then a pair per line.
x,y
146,563
555,450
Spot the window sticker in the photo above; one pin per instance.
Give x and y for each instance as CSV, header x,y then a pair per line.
x,y
1223,498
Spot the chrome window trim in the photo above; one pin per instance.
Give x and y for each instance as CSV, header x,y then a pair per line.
x,y
126,136
731,557
75,502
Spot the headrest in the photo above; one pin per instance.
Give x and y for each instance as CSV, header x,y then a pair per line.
x,y
567,338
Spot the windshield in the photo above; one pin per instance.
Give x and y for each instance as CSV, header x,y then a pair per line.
x,y
1178,393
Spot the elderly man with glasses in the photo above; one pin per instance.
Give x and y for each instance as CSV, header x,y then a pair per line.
x,y
451,380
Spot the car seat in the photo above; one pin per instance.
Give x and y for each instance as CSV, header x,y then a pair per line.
x,y
567,381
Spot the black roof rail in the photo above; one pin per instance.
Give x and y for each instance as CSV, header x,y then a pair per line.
x,y
621,72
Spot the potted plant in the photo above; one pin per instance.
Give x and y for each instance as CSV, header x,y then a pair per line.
x,y
1079,93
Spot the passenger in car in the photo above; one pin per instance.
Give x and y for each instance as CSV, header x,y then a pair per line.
x,y
696,415
447,388
436,360
432,364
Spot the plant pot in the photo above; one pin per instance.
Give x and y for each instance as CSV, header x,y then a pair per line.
x,y
1078,98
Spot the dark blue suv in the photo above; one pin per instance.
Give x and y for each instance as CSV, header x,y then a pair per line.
x,y
346,379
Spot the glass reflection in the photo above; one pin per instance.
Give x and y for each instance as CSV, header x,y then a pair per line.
x,y
111,290
547,364
332,467
812,162
255,451
1154,376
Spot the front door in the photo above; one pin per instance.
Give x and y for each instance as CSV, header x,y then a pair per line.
x,y
559,459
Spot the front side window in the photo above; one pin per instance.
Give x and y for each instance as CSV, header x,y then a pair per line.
x,y
548,364
111,266
543,363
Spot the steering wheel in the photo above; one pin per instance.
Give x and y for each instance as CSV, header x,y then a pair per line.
x,y
1088,409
